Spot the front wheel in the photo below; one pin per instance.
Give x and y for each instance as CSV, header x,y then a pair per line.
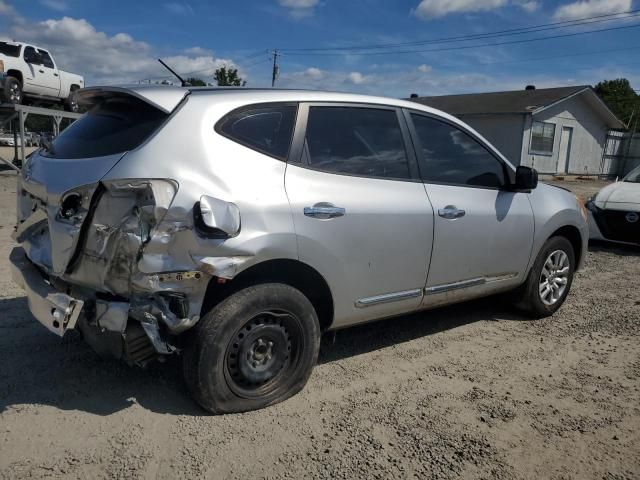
x,y
13,91
549,280
254,349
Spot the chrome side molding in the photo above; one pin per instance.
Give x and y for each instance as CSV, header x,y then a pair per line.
x,y
473,282
388,297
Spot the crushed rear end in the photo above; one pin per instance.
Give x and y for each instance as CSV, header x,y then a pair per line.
x,y
95,251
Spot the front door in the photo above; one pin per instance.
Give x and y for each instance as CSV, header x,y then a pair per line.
x,y
360,212
483,233
565,149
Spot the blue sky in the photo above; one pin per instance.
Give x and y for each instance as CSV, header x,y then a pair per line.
x,y
118,41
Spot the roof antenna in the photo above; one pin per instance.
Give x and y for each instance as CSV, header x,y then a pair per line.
x,y
182,81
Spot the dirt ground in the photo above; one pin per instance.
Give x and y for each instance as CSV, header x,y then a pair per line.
x,y
471,391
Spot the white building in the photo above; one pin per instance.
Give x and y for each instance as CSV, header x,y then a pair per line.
x,y
555,130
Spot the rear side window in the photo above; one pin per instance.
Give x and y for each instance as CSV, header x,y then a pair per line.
x,y
9,50
356,141
116,125
267,129
452,156
46,59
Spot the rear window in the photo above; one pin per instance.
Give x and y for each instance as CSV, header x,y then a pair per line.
x,y
116,125
9,50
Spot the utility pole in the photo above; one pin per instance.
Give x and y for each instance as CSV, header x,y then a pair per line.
x,y
276,69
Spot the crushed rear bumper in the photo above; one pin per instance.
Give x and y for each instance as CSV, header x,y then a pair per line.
x,y
55,310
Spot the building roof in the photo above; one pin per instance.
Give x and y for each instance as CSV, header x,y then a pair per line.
x,y
518,101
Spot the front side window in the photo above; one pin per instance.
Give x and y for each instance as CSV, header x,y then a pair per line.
x,y
542,136
47,61
356,141
450,156
266,129
31,56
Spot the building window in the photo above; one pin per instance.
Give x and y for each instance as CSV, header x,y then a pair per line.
x,y
542,135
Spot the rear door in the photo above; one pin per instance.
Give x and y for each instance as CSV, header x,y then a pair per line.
x,y
483,231
361,214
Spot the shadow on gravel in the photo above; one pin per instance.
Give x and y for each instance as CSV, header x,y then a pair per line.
x,y
39,368
384,333
617,248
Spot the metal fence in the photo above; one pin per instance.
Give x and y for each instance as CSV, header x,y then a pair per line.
x,y
621,153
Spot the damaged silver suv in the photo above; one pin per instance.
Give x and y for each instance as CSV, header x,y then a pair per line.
x,y
235,226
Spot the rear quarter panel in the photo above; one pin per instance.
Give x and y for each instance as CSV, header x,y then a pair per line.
x,y
188,150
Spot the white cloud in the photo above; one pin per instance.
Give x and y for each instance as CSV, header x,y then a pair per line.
x,y
107,59
590,8
58,5
424,68
7,10
313,73
428,9
356,78
299,8
179,8
439,8
528,6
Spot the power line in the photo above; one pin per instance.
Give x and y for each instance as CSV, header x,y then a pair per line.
x,y
460,47
568,55
462,38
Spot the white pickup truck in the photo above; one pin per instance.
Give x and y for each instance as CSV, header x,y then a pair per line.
x,y
29,72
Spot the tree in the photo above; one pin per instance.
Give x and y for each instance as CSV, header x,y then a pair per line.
x,y
196,82
620,98
228,77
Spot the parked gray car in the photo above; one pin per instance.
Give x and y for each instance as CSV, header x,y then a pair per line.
x,y
235,226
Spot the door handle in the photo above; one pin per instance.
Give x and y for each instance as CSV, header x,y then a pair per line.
x,y
55,74
324,211
451,212
41,71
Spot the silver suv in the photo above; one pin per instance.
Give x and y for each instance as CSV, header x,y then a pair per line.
x,y
235,226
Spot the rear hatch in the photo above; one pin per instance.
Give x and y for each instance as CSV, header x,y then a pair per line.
x,y
60,184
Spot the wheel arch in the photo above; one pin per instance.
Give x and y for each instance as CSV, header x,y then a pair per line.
x,y
294,273
17,74
572,234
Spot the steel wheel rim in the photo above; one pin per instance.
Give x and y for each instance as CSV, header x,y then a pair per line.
x,y
15,93
263,353
554,277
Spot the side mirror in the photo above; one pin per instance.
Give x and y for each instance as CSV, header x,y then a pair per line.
x,y
526,178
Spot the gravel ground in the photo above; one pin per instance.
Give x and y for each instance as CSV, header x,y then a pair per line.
x,y
470,391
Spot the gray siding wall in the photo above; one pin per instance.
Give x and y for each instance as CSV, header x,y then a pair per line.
x,y
503,131
587,143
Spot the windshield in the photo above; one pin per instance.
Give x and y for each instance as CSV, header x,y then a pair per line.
x,y
9,50
633,176
116,125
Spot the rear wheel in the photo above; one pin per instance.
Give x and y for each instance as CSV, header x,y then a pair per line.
x,y
13,91
254,349
71,103
549,280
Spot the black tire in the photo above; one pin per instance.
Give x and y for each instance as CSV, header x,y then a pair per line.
x,y
254,349
528,297
71,103
13,91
